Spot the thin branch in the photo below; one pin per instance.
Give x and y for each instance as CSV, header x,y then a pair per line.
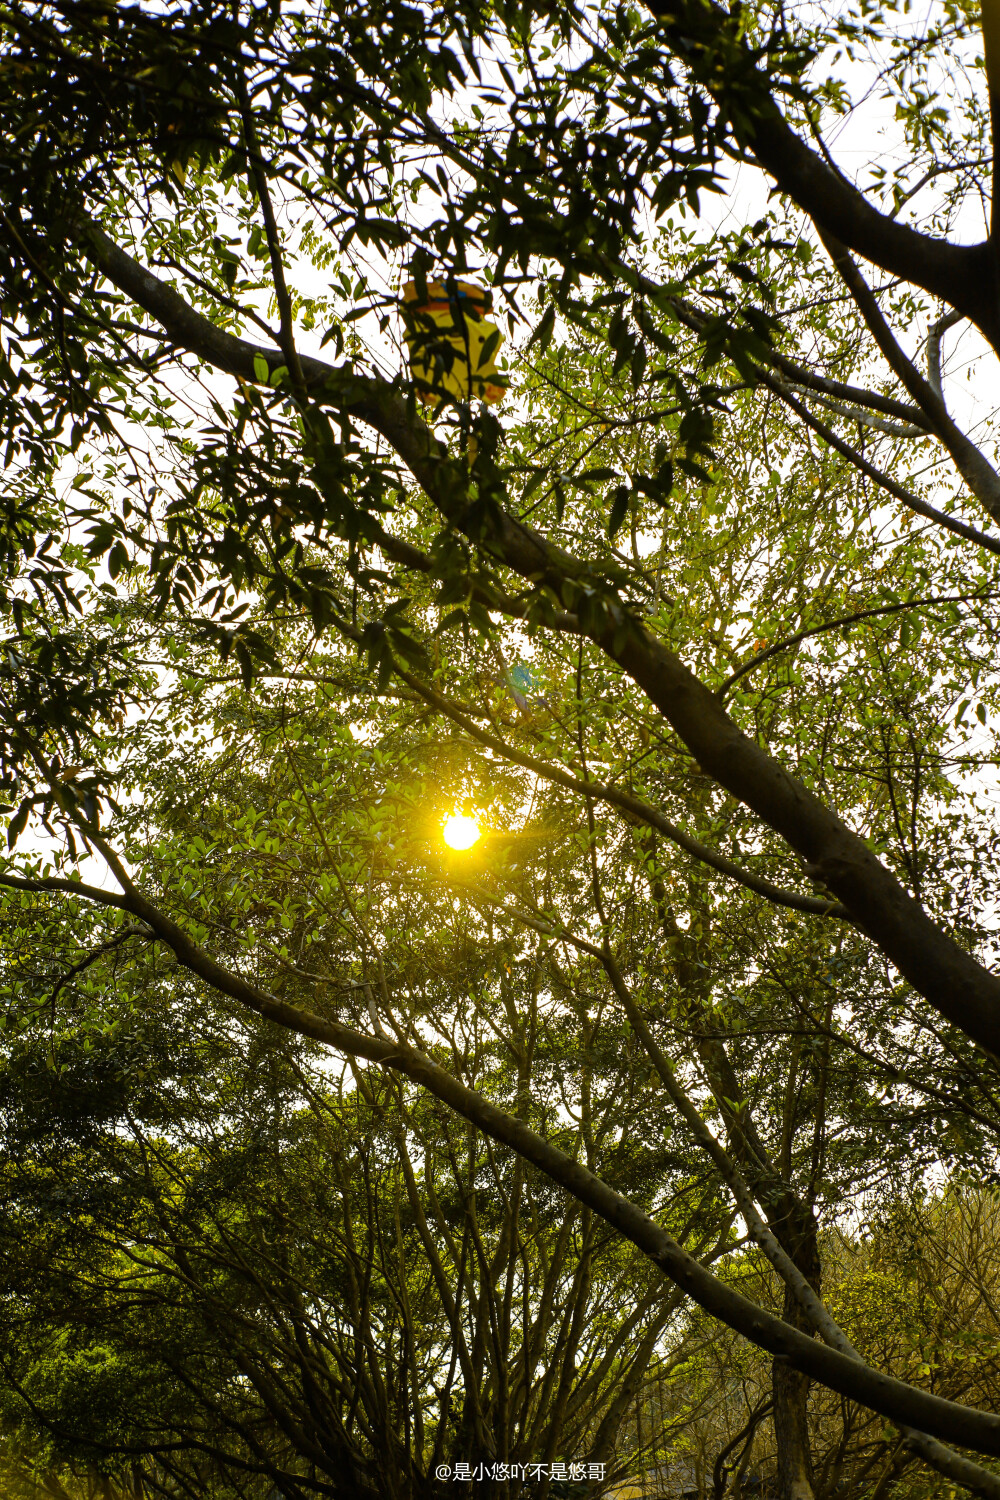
x,y
798,375
844,620
633,807
121,936
973,465
282,297
935,333
875,424
907,497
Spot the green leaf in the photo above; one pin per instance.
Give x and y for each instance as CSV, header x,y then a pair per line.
x,y
490,345
18,822
619,510
542,335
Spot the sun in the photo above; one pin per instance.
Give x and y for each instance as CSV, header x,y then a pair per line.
x,y
461,832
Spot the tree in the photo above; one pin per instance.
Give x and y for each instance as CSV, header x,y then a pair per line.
x,y
211,1289
243,154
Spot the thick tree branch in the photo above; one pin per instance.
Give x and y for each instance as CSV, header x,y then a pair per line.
x,y
892,1398
706,37
962,990
990,10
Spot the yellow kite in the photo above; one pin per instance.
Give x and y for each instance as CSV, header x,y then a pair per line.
x,y
451,342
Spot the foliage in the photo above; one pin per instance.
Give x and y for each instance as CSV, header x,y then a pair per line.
x,y
701,625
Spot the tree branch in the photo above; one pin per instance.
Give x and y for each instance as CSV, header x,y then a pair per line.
x,y
962,990
892,1398
706,38
838,624
934,336
978,473
798,375
990,13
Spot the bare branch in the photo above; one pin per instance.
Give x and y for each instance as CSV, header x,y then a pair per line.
x,y
934,349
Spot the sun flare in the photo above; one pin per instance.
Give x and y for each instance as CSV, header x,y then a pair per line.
x,y
461,832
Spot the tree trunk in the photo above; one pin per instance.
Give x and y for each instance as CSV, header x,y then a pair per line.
x,y
794,1224
790,1388
791,1432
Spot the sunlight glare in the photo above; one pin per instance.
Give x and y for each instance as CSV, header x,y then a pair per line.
x,y
461,832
